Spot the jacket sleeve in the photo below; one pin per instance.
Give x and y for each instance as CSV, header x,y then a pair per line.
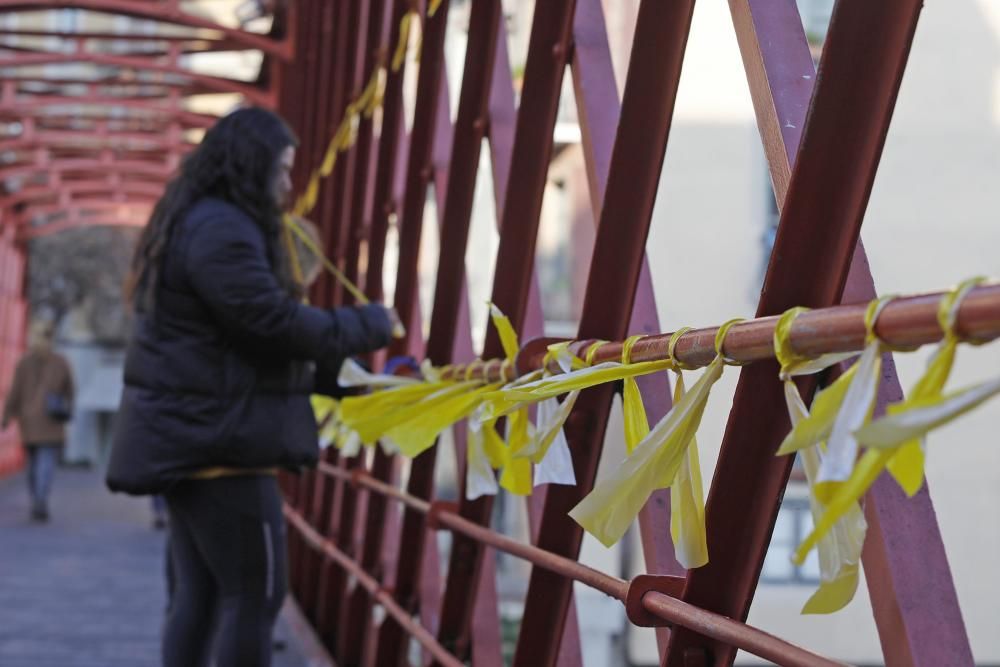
x,y
360,329
227,266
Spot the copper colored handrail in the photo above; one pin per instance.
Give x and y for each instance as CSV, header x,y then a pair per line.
x,y
905,322
666,608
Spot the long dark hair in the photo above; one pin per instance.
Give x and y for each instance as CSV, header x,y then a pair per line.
x,y
236,161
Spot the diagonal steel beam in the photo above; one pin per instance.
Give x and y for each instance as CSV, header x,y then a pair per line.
x,y
619,249
469,130
485,98
860,72
918,624
598,109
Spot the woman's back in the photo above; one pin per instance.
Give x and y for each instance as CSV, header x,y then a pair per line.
x,y
219,372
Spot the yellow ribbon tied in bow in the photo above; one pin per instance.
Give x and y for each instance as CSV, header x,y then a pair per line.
x,y
904,425
927,406
611,507
839,410
840,548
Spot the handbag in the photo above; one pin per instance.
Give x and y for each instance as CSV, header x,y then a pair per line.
x,y
58,407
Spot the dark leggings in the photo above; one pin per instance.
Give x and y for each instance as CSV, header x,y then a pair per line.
x,y
227,551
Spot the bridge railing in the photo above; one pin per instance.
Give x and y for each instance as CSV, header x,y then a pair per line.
x,y
350,552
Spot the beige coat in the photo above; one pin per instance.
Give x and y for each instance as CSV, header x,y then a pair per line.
x,y
39,372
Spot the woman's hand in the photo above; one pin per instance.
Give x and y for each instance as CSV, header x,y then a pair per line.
x,y
398,330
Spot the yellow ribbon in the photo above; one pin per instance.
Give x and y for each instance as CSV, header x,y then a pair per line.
x,y
841,409
901,427
840,549
404,39
611,507
516,470
293,256
634,412
327,263
906,423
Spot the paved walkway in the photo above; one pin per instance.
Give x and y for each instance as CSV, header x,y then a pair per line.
x,y
87,588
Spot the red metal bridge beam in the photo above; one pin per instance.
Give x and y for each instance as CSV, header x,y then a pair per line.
x,y
191,45
12,315
186,87
370,40
518,219
168,12
325,60
319,110
37,108
330,200
598,110
252,92
134,167
319,118
345,176
860,72
376,54
289,106
344,510
449,299
781,72
389,159
485,629
647,109
479,631
32,103
354,621
103,188
471,124
85,141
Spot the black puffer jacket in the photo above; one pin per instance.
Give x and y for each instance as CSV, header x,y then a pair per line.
x,y
220,374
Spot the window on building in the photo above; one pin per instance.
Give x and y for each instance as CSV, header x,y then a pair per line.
x,y
792,525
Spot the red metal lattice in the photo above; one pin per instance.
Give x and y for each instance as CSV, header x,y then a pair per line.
x,y
360,541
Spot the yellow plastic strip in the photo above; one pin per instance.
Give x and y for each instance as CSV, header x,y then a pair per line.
x,y
926,406
507,398
634,412
611,507
687,502
404,39
329,265
416,435
839,410
840,549
508,337
293,256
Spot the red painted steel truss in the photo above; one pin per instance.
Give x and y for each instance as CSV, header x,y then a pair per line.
x,y
352,521
365,564
97,107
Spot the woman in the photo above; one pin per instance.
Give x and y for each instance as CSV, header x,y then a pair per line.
x,y
40,398
217,382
